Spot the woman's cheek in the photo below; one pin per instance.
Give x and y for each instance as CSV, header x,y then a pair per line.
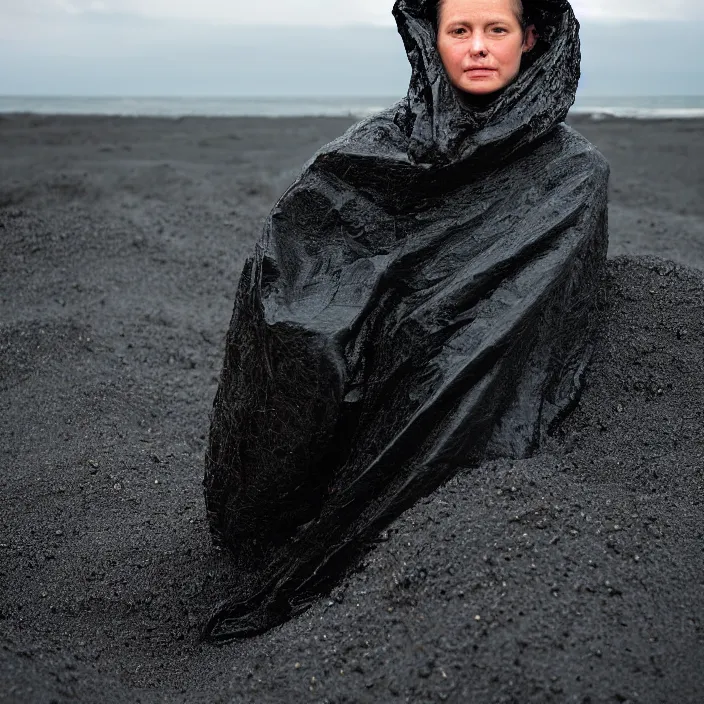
x,y
458,57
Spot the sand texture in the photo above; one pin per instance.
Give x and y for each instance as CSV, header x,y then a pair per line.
x,y
575,576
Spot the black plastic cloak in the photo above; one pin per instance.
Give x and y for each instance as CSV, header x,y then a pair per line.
x,y
421,299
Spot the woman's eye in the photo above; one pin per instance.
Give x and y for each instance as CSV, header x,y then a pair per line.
x,y
499,30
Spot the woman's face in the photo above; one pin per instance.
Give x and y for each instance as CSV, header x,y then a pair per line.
x,y
481,43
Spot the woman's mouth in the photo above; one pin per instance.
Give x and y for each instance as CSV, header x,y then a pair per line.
x,y
481,71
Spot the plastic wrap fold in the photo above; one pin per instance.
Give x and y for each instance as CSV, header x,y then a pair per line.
x,y
421,299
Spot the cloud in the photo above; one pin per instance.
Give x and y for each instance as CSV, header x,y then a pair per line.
x,y
316,12
259,12
639,9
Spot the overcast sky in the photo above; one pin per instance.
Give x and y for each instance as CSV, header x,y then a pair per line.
x,y
308,12
207,48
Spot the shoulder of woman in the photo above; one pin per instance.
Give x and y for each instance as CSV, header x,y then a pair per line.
x,y
579,145
573,151
372,136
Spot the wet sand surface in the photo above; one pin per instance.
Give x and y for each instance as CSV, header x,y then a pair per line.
x,y
575,576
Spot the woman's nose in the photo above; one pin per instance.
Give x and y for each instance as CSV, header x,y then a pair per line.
x,y
477,46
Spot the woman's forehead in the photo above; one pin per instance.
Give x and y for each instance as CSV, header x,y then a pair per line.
x,y
458,7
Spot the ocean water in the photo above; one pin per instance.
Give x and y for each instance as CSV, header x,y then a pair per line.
x,y
664,107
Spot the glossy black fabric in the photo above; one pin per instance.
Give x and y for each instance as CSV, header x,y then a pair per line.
x,y
421,299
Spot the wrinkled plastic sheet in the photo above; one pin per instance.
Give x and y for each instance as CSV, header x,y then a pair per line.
x,y
422,299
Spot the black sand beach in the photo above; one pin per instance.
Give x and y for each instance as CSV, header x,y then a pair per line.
x,y
575,576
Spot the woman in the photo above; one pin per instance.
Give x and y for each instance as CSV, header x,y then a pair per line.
x,y
421,300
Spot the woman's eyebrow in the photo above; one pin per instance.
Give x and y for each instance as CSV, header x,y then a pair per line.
x,y
469,21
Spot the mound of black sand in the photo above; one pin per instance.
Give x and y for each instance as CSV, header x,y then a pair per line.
x,y
575,576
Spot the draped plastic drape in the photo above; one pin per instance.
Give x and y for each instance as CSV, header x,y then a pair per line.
x,y
422,298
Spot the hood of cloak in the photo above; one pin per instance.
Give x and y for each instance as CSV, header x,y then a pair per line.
x,y
441,129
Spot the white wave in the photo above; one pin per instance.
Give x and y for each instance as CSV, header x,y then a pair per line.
x,y
348,107
636,113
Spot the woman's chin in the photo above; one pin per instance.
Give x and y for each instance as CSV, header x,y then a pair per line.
x,y
480,88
